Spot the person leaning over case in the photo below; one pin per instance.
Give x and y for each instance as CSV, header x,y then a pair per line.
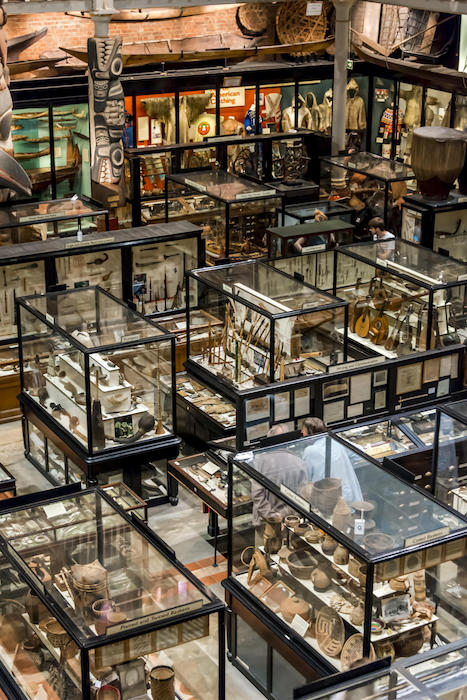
x,y
341,466
281,467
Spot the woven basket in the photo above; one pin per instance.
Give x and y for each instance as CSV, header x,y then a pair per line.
x,y
293,26
252,18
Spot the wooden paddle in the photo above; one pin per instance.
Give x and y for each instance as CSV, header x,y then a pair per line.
x,y
379,328
362,324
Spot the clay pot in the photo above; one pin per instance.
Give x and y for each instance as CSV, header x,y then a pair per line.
x,y
108,692
400,584
283,554
301,563
409,644
306,491
294,606
437,158
419,585
301,529
326,493
354,567
341,515
291,521
163,683
358,615
101,609
320,580
297,542
328,545
383,649
312,536
341,555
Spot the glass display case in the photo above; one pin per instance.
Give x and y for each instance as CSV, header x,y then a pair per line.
x,y
101,373
99,607
378,439
371,183
39,221
450,455
271,326
345,568
403,298
313,211
236,211
7,484
286,241
440,673
441,226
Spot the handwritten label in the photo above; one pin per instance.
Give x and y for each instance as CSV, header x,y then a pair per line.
x,y
426,536
313,9
95,241
50,318
196,185
298,500
299,625
54,510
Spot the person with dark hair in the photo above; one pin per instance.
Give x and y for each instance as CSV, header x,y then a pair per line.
x,y
315,456
384,238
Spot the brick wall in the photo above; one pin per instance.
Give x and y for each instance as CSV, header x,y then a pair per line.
x,y
74,32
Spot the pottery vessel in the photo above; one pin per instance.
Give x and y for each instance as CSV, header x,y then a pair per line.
x,y
163,683
357,616
409,644
294,606
326,493
341,555
341,515
328,545
301,563
320,580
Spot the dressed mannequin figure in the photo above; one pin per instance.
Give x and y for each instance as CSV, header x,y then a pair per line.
x,y
355,113
325,110
386,128
312,105
304,120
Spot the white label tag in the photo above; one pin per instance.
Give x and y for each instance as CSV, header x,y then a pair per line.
x,y
196,185
313,9
227,288
299,625
379,139
359,526
253,195
53,510
295,498
244,456
50,318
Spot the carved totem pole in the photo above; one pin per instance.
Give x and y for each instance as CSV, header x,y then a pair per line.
x,y
107,118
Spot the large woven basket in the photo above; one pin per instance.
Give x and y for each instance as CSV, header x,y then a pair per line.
x,y
293,26
252,18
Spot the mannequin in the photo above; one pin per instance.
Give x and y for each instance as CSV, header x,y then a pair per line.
x,y
304,119
355,114
386,127
250,120
325,110
412,119
272,101
232,127
204,125
312,105
162,109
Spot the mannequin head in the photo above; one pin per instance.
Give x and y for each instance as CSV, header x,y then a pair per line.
x,y
352,88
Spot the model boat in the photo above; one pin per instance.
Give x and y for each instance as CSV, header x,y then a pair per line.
x,y
17,44
42,177
157,14
229,46
31,156
446,78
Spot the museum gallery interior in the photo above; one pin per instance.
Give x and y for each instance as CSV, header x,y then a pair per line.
x,y
233,331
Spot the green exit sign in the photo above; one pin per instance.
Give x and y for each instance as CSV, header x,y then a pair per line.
x,y
349,64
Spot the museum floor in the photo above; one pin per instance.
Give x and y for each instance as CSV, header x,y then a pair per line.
x,y
183,527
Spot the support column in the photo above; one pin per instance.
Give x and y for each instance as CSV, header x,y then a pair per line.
x,y
106,108
339,97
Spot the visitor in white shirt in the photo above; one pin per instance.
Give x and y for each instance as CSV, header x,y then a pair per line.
x,y
385,239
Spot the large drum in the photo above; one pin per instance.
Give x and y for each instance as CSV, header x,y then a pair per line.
x,y
438,156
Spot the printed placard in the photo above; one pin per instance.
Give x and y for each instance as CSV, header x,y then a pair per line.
x,y
295,498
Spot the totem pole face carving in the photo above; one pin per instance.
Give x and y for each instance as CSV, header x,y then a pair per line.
x,y
105,63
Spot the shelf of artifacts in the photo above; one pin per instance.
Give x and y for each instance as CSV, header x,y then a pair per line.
x,y
16,281
176,324
208,402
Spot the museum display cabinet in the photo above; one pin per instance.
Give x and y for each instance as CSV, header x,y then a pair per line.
x,y
345,570
286,241
98,376
203,414
144,265
403,297
7,484
450,455
402,443
98,606
312,211
52,144
287,163
272,326
439,225
236,211
369,183
440,673
39,221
